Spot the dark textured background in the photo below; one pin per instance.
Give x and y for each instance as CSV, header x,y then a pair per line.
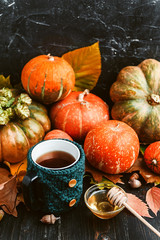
x,y
128,32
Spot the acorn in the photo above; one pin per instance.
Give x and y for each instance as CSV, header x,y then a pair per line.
x,y
49,219
134,181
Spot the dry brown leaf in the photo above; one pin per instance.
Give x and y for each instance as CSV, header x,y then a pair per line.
x,y
5,175
98,175
138,205
8,196
153,199
147,174
19,199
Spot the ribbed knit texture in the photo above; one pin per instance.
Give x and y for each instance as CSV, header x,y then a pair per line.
x,y
53,184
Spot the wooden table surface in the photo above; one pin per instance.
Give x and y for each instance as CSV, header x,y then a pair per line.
x,y
78,224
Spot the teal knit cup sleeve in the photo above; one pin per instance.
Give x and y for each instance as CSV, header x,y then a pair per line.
x,y
53,190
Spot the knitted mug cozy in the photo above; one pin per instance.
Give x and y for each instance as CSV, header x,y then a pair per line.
x,y
57,190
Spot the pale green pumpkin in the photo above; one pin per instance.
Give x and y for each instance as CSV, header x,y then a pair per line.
x,y
136,97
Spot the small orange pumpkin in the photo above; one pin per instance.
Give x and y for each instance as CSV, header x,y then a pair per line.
x,y
152,156
56,133
48,79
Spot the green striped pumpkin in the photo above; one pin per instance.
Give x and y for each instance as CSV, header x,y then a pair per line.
x,y
17,137
136,97
48,79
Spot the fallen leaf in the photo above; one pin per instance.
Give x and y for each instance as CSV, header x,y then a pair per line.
x,y
49,219
153,199
19,199
18,169
104,181
5,82
86,63
1,214
138,205
8,196
147,174
5,175
98,175
143,148
156,183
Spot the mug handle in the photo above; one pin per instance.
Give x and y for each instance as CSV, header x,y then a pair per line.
x,y
31,194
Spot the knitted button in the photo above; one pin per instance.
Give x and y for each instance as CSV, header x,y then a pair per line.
x,y
72,183
72,202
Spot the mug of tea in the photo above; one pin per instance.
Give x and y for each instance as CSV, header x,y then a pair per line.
x,y
54,179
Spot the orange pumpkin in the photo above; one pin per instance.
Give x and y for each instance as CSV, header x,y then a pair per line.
x,y
112,147
48,79
152,157
56,133
78,113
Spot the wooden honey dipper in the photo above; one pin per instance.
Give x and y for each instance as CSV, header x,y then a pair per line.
x,y
117,197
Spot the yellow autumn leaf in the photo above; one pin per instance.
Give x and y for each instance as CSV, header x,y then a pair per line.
x,y
86,63
5,82
18,169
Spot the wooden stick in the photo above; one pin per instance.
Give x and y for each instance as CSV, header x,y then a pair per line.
x,y
141,219
117,197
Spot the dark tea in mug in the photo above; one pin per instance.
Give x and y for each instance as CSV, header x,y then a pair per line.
x,y
54,179
55,159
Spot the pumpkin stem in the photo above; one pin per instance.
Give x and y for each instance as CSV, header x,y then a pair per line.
x,y
51,58
154,162
154,99
81,95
